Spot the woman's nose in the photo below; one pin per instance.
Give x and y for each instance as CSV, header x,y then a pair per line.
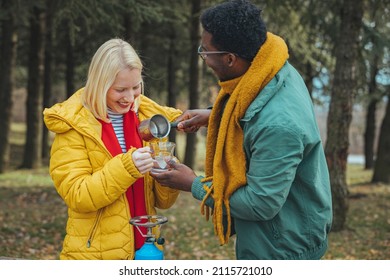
x,y
130,95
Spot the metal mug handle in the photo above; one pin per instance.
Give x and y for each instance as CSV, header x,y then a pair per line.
x,y
174,124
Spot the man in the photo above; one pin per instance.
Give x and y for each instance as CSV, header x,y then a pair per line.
x,y
266,175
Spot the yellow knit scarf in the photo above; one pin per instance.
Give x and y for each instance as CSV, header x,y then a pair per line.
x,y
225,157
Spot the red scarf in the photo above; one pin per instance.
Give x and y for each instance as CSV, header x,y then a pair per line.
x,y
135,194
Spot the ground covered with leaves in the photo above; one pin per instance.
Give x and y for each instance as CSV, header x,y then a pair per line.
x,y
33,217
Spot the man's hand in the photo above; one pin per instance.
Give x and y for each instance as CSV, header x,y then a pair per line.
x,y
178,176
192,120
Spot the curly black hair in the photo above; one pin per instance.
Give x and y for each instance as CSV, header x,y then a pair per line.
x,y
236,26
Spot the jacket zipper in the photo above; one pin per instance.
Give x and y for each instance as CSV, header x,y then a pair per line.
x,y
94,227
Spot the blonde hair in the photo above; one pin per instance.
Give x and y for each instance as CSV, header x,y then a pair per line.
x,y
111,57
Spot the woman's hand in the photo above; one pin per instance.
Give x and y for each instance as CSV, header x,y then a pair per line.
x,y
142,159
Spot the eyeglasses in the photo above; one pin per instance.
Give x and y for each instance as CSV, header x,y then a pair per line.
x,y
203,54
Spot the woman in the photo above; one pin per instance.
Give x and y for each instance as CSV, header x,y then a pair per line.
x,y
99,164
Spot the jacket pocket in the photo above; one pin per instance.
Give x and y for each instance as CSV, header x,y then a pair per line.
x,y
94,227
275,231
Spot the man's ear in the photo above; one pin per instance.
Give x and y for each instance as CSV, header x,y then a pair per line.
x,y
231,59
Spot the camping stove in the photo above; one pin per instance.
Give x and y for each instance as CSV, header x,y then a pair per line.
x,y
149,250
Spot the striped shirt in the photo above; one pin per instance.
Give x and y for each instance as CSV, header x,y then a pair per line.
x,y
117,124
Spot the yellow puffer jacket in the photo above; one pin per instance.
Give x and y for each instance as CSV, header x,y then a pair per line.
x,y
93,183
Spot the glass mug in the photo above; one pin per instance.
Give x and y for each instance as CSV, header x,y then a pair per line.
x,y
162,153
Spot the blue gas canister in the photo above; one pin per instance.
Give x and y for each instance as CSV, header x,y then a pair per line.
x,y
149,251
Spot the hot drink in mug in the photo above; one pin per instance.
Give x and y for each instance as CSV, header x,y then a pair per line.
x,y
162,153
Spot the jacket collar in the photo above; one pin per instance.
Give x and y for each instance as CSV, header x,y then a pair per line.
x,y
267,93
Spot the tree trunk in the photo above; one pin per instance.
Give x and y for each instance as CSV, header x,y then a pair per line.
x,y
172,89
340,109
194,79
369,134
309,78
33,147
70,87
382,163
8,44
47,83
128,29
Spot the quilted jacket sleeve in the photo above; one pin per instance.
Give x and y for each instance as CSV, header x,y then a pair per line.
x,y
149,108
86,176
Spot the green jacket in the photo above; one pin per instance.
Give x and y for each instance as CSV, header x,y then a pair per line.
x,y
93,184
285,210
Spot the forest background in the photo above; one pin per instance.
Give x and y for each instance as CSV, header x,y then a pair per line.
x,y
341,48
